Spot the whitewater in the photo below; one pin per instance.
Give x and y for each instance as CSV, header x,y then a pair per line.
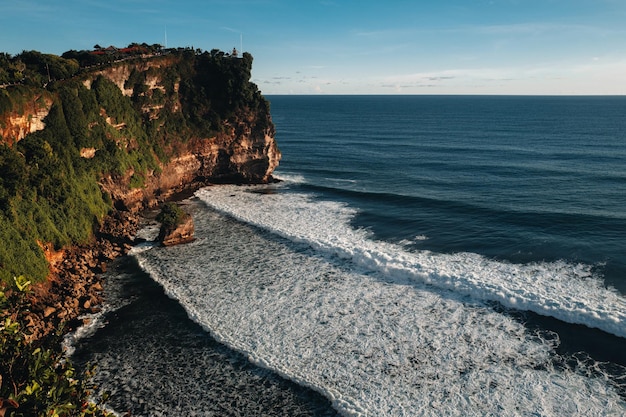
x,y
285,278
567,292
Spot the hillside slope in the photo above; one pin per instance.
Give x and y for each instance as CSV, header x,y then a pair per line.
x,y
78,142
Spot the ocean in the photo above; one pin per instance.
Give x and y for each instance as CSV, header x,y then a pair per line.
x,y
421,256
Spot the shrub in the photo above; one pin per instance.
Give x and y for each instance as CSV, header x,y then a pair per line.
x,y
34,379
171,215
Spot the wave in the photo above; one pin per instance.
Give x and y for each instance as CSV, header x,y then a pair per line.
x,y
539,216
566,291
290,178
372,344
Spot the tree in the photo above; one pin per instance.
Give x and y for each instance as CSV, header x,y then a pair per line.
x,y
12,170
171,215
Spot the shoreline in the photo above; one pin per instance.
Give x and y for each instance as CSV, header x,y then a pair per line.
x,y
74,286
147,332
75,283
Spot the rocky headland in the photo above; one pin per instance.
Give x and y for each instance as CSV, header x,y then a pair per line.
x,y
124,136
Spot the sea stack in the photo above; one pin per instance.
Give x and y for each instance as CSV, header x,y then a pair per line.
x,y
177,226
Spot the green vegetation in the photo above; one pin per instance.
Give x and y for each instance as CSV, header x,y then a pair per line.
x,y
35,68
36,380
171,215
49,194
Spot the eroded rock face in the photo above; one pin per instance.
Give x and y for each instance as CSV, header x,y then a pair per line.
x,y
244,150
14,126
183,233
240,155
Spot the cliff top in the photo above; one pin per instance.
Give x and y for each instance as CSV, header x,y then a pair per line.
x,y
34,68
90,131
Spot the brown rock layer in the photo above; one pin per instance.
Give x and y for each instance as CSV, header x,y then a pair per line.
x,y
15,125
182,233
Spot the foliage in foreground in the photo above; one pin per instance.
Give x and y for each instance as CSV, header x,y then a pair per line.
x,y
36,380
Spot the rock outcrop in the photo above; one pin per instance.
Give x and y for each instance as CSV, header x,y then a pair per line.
x,y
240,149
15,125
178,234
145,129
235,156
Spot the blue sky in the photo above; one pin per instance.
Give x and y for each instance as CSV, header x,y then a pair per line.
x,y
359,46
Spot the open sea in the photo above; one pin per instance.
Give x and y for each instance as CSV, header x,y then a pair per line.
x,y
422,256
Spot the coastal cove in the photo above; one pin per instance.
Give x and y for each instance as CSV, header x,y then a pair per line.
x,y
393,209
412,255
480,281
153,360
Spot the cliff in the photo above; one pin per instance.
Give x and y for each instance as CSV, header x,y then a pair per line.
x,y
27,118
77,142
85,143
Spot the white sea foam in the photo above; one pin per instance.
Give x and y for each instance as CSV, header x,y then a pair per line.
x,y
375,345
149,232
416,239
92,323
562,290
290,178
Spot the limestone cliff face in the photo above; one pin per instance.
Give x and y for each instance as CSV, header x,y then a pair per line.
x,y
120,74
244,149
16,124
226,158
228,138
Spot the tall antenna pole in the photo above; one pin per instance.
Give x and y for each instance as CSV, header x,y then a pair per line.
x,y
241,43
165,36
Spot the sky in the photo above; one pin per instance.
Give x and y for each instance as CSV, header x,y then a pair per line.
x,y
537,47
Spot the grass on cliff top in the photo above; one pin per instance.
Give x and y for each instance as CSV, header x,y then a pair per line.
x,y
49,194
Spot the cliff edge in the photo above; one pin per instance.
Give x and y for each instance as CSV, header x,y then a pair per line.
x,y
79,140
86,141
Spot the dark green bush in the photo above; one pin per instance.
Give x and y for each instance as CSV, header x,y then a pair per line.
x,y
171,215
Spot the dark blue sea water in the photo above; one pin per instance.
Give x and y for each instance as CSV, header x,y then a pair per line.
x,y
423,255
517,178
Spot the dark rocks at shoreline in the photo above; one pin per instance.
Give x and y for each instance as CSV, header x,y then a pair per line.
x,y
75,286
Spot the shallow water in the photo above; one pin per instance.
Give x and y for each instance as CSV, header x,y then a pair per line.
x,y
154,361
